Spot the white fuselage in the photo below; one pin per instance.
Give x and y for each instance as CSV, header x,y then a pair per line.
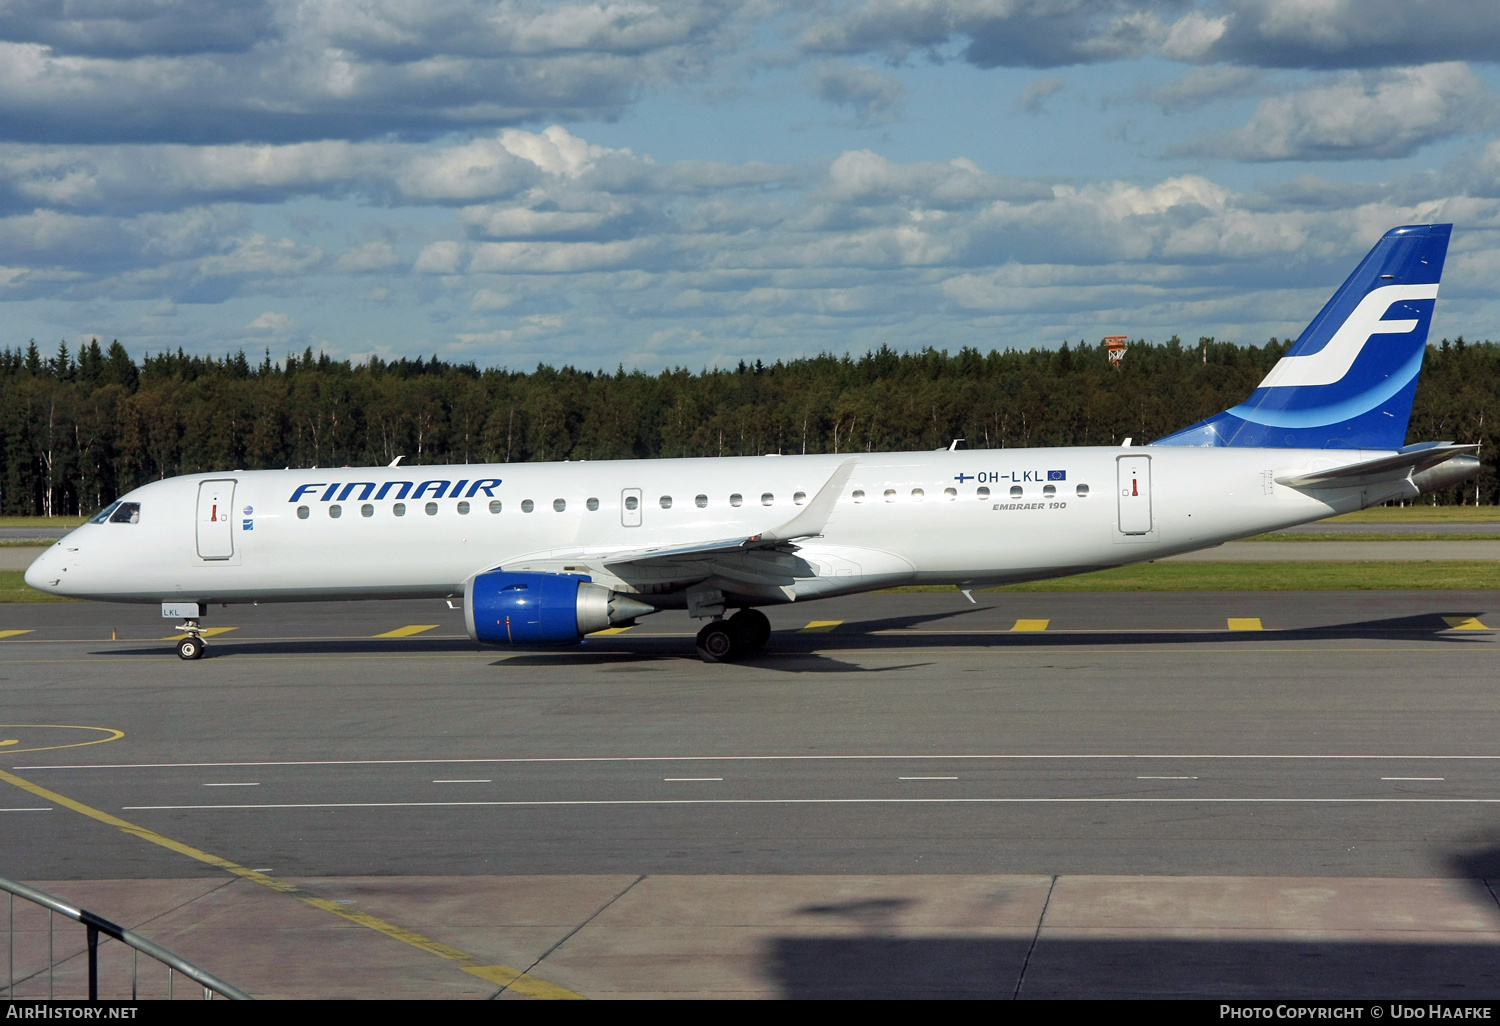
x,y
895,522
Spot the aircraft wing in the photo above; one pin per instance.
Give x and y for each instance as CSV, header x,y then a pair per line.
x,y
764,559
1403,464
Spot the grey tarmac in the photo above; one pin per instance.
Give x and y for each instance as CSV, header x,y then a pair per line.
x,y
881,803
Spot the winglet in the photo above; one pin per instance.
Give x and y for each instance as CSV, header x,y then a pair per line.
x,y
814,516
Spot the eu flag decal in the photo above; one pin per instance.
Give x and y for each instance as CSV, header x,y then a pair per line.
x,y
1057,475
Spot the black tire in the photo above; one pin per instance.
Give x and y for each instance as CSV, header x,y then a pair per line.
x,y
190,648
718,642
754,628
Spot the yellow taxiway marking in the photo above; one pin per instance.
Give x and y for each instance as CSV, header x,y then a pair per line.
x,y
110,733
1464,623
1245,623
207,632
12,634
511,979
610,630
409,630
820,626
1031,625
516,980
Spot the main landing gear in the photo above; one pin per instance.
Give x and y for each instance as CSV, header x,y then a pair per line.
x,y
744,633
192,646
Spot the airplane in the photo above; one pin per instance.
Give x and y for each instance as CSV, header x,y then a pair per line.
x,y
544,554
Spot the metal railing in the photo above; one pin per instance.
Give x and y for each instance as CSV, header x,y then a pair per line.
x,y
95,925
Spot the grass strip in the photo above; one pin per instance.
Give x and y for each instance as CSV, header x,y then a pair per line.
x,y
1456,575
13,588
41,521
1419,515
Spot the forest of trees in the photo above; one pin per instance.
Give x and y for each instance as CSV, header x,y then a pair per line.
x,y
78,429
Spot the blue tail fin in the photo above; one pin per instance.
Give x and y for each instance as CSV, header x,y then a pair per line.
x,y
1349,380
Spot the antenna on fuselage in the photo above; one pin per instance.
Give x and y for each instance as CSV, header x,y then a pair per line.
x,y
397,460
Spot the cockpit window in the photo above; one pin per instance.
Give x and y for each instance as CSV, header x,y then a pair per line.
x,y
127,513
103,515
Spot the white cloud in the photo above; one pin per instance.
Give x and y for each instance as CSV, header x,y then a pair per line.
x,y
372,256
272,323
872,97
1369,114
258,255
1037,93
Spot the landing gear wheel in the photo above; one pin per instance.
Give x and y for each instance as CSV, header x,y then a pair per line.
x,y
754,628
719,642
190,648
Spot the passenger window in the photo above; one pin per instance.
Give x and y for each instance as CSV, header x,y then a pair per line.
x,y
1048,491
335,511
700,501
463,509
631,502
950,494
983,493
302,512
666,502
736,499
103,515
1015,491
367,510
859,495
890,495
767,498
399,509
918,494
799,497
430,509
559,504
592,504
494,505
128,513
1083,491
527,505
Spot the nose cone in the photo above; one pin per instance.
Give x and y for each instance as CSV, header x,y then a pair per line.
x,y
42,574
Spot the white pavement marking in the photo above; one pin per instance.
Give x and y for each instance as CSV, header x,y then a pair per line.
x,y
1170,778
25,810
681,780
926,778
839,801
242,784
1411,778
743,758
463,781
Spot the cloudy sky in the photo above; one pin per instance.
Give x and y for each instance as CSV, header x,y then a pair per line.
x,y
690,183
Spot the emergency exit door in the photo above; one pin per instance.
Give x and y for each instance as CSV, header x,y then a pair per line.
x,y
215,526
1135,494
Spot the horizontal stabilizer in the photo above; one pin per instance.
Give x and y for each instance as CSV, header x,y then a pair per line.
x,y
1402,464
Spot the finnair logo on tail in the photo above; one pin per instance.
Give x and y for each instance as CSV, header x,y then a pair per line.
x,y
1329,364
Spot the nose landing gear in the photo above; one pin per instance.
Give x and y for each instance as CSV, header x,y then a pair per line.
x,y
724,641
192,646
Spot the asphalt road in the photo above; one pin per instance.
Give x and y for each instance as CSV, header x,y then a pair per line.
x,y
1274,734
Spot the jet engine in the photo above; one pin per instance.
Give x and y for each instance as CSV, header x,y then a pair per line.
x,y
542,609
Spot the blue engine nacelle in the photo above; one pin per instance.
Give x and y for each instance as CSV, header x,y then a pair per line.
x,y
541,609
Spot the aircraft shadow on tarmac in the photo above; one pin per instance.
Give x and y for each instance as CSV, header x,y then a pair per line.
x,y
794,651
879,965
990,967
